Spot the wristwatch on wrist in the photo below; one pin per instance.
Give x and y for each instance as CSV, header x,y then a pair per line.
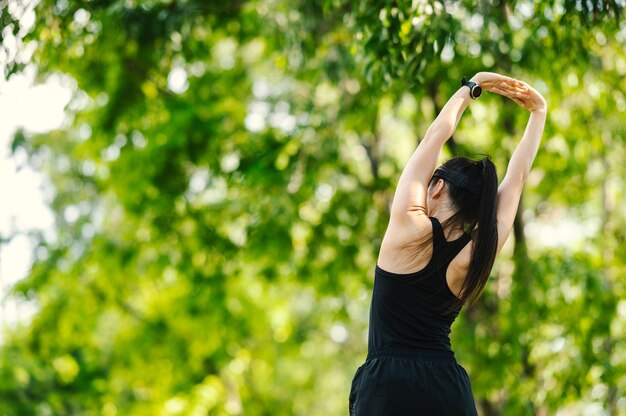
x,y
475,89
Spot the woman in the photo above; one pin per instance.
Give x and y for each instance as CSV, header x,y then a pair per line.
x,y
446,227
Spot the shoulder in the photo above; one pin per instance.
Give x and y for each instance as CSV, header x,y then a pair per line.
x,y
406,246
459,268
407,228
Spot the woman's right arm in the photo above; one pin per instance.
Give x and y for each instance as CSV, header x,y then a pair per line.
x,y
510,190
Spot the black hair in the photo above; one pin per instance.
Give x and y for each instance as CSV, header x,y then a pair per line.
x,y
472,188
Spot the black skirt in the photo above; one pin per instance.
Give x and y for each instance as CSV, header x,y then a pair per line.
x,y
400,382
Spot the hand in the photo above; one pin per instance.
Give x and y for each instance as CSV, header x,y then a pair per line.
x,y
530,99
520,92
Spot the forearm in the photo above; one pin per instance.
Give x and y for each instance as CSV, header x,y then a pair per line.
x,y
448,118
524,155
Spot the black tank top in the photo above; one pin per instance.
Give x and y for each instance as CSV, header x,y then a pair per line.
x,y
416,310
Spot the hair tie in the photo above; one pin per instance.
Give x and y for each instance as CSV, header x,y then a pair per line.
x,y
457,178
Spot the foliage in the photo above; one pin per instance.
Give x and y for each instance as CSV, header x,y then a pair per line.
x,y
223,184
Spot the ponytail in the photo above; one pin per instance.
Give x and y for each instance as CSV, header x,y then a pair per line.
x,y
472,187
485,236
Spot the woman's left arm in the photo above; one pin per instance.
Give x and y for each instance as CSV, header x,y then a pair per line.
x,y
410,195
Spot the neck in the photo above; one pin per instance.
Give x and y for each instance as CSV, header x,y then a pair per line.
x,y
442,211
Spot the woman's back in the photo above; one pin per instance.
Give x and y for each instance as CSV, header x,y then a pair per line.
x,y
416,310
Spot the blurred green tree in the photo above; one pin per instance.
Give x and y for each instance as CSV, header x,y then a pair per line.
x,y
223,183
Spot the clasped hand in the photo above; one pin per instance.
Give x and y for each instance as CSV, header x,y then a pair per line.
x,y
519,91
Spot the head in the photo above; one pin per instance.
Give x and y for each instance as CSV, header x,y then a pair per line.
x,y
469,188
458,183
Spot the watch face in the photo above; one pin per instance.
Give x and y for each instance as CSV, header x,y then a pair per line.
x,y
476,91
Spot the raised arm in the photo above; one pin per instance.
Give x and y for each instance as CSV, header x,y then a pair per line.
x,y
410,197
510,190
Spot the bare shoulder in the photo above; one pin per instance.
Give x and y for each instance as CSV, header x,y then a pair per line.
x,y
397,252
458,268
406,228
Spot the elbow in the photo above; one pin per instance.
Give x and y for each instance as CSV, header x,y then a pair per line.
x,y
524,176
519,171
514,182
439,131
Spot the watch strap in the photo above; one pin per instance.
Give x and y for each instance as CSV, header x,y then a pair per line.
x,y
471,85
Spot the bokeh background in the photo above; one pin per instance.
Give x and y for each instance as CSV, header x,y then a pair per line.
x,y
221,180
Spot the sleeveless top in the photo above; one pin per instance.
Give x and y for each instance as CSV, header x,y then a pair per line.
x,y
416,310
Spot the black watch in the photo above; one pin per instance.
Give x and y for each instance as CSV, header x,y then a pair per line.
x,y
475,89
